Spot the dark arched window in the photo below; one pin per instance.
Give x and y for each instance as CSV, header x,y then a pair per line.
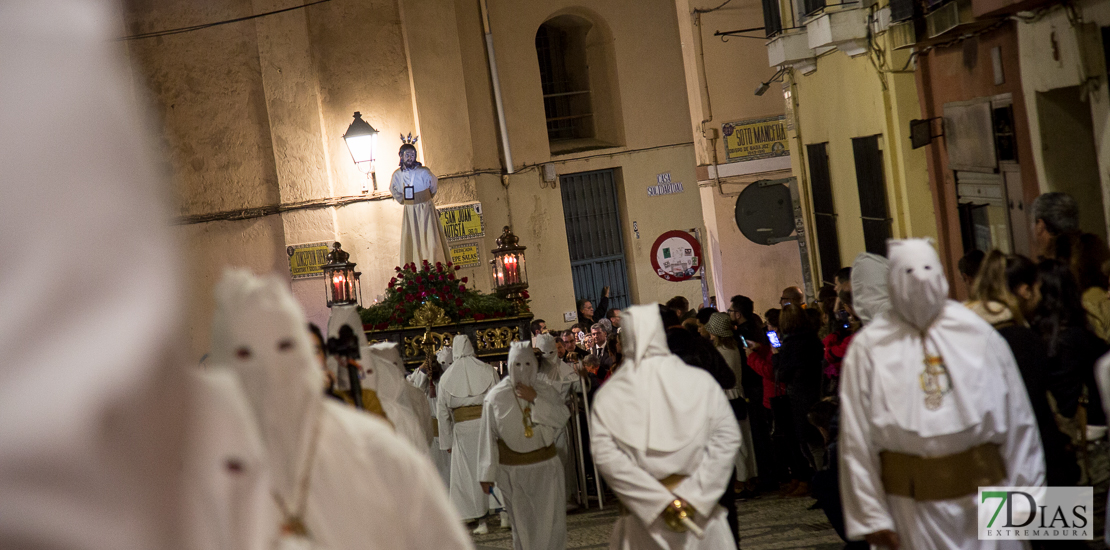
x,y
579,95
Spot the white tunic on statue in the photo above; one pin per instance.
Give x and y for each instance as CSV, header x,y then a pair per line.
x,y
464,384
534,493
657,417
361,484
422,236
745,459
883,408
440,457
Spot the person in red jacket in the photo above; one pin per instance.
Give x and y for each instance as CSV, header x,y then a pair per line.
x,y
836,343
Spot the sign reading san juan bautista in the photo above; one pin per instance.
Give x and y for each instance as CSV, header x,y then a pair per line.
x,y
462,221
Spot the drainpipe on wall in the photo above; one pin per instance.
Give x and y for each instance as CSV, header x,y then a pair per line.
x,y
496,89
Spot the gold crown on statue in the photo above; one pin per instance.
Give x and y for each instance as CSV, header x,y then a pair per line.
x,y
409,140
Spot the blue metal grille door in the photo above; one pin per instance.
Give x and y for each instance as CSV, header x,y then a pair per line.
x,y
594,237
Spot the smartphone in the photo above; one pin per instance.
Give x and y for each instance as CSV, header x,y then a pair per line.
x,y
774,338
743,341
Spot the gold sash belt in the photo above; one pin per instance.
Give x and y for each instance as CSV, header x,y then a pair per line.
x,y
463,414
435,427
509,457
942,477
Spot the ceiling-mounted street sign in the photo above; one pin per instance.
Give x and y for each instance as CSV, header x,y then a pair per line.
x,y
676,256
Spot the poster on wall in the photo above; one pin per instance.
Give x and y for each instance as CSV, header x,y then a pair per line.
x,y
308,259
676,256
462,221
755,139
466,255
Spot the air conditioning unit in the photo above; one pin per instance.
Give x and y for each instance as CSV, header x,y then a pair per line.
x,y
902,35
948,17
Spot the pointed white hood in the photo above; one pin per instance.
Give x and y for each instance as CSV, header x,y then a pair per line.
x,y
653,401
92,394
403,404
445,356
549,353
522,364
259,333
870,295
918,288
467,376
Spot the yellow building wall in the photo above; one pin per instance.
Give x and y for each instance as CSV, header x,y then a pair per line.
x,y
844,99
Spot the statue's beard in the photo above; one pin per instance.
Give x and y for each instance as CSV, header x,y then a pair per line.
x,y
409,164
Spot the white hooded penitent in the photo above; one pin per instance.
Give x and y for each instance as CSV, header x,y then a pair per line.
x,y
339,478
517,453
657,419
92,399
403,403
870,296
931,379
462,388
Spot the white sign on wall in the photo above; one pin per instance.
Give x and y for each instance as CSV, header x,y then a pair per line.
x,y
664,186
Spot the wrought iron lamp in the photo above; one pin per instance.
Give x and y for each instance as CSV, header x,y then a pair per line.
x,y
510,278
361,140
341,279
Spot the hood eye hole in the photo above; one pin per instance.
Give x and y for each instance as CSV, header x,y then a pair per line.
x,y
928,267
243,353
285,345
910,270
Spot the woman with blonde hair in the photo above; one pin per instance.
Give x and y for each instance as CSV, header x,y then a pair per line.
x,y
1005,294
991,297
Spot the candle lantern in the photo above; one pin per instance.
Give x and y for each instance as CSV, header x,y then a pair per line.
x,y
341,279
510,278
361,139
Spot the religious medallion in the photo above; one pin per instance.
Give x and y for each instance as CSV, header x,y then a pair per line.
x,y
935,381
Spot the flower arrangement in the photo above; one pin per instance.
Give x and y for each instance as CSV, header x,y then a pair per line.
x,y
413,286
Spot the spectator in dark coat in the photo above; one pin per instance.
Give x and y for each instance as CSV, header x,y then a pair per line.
x,y
799,367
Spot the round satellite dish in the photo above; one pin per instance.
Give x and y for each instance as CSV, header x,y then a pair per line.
x,y
765,211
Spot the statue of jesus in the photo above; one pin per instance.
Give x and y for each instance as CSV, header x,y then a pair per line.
x,y
414,186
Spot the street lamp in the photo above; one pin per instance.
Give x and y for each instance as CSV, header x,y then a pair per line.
x,y
510,277
340,279
361,139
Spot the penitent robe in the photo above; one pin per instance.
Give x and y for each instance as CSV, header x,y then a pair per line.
x,y
463,384
929,378
657,417
534,493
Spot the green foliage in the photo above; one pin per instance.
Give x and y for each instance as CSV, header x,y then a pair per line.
x,y
413,287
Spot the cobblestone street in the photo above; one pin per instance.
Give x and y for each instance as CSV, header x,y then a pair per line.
x,y
766,523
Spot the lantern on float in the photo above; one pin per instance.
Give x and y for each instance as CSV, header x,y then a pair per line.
x,y
361,139
510,278
341,279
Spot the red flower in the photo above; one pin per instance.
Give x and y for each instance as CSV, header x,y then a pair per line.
x,y
479,316
393,281
457,268
463,281
524,294
397,269
462,288
458,302
420,288
450,276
